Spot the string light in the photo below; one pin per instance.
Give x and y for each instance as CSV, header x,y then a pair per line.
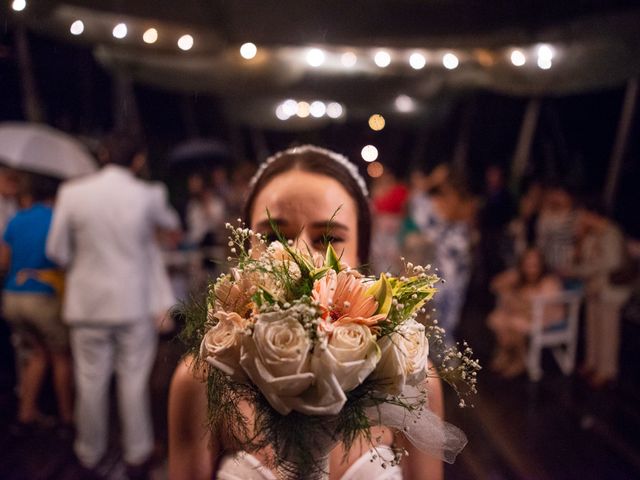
x,y
303,110
281,113
248,50
290,107
185,42
348,59
317,109
518,58
382,59
544,63
369,153
120,31
450,61
19,5
417,61
150,36
334,110
77,27
315,57
545,55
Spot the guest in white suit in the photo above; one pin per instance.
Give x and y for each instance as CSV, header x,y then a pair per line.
x,y
103,230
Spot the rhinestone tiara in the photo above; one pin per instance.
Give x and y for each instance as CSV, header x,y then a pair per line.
x,y
336,157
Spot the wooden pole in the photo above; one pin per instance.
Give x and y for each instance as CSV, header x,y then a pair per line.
x,y
620,143
31,104
125,108
525,139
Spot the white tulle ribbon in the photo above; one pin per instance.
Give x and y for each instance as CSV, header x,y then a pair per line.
x,y
423,428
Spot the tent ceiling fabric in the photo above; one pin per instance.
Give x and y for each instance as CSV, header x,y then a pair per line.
x,y
597,45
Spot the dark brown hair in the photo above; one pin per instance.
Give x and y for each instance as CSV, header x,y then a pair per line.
x,y
317,162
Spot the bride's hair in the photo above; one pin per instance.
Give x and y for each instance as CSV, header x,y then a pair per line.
x,y
323,162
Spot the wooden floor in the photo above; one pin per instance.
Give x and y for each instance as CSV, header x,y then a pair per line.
x,y
556,429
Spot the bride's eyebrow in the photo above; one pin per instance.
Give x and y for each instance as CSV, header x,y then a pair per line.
x,y
266,224
329,224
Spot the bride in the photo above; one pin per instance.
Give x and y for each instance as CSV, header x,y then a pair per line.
x,y
307,192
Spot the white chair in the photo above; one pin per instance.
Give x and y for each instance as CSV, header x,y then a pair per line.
x,y
561,336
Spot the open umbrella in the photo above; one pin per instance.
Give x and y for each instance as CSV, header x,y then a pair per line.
x,y
200,153
41,149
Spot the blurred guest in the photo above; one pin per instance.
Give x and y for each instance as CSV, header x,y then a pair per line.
x,y
240,178
9,182
389,199
522,229
205,213
32,305
600,262
444,217
102,229
511,319
556,228
497,211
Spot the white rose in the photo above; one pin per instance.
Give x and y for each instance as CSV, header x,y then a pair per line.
x,y
221,344
415,347
404,358
340,364
276,358
351,355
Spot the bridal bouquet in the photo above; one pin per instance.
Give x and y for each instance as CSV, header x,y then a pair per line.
x,y
322,353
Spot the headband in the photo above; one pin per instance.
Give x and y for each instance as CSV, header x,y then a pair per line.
x,y
336,157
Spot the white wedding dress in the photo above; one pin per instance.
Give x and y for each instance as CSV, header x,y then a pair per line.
x,y
243,466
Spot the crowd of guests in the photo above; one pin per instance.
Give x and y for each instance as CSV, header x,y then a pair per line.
x,y
546,241
104,239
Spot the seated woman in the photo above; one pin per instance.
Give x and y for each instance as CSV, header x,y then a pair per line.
x,y
511,319
314,196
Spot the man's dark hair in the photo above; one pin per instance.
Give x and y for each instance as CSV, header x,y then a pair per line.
x,y
121,148
42,187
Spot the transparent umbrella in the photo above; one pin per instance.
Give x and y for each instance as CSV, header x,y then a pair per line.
x,y
41,149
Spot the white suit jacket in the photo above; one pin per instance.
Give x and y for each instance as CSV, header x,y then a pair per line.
x,y
102,230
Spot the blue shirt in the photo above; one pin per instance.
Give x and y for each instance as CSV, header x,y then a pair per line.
x,y
26,236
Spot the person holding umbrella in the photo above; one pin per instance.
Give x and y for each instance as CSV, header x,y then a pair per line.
x,y
31,304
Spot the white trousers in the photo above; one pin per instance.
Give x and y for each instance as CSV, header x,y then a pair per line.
x,y
98,351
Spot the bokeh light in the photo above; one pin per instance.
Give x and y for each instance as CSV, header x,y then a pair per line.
x,y
315,57
334,110
77,27
376,122
404,104
303,110
382,59
120,31
248,50
19,5
417,61
348,59
185,42
518,58
317,109
375,169
450,61
150,36
369,153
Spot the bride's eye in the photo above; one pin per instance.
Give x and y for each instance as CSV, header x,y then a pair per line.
x,y
324,240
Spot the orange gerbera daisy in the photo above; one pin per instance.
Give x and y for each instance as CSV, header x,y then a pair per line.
x,y
343,299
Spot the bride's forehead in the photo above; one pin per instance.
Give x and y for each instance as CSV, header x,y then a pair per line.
x,y
305,193
303,198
